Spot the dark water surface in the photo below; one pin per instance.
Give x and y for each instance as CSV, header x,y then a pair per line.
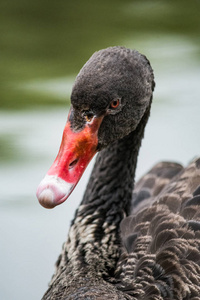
x,y
43,46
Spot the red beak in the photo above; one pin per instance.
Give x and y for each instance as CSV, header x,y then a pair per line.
x,y
76,151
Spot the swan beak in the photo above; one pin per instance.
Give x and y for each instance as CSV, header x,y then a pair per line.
x,y
76,151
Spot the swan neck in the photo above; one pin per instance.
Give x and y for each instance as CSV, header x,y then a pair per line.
x,y
93,243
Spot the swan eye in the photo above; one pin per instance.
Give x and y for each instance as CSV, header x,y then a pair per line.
x,y
115,103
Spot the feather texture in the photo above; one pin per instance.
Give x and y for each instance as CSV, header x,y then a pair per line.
x,y
129,242
164,234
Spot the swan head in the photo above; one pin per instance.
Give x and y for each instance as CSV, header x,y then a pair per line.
x,y
110,96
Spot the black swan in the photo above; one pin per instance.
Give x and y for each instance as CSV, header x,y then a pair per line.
x,y
123,243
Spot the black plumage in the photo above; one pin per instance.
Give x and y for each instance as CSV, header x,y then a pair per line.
x,y
126,242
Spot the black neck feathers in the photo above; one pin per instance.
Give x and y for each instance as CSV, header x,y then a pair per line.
x,y
107,200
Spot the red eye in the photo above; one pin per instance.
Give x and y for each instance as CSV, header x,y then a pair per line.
x,y
114,103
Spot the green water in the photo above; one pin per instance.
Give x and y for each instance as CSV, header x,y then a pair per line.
x,y
43,44
50,39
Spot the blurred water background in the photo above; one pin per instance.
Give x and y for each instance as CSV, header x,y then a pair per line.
x,y
43,46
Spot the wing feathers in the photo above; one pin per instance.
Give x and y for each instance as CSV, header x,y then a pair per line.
x,y
162,235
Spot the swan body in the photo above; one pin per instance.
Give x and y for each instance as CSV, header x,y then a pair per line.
x,y
125,241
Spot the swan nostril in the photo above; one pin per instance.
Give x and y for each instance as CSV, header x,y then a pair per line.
x,y
73,163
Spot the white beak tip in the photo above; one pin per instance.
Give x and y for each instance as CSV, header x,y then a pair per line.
x,y
53,191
